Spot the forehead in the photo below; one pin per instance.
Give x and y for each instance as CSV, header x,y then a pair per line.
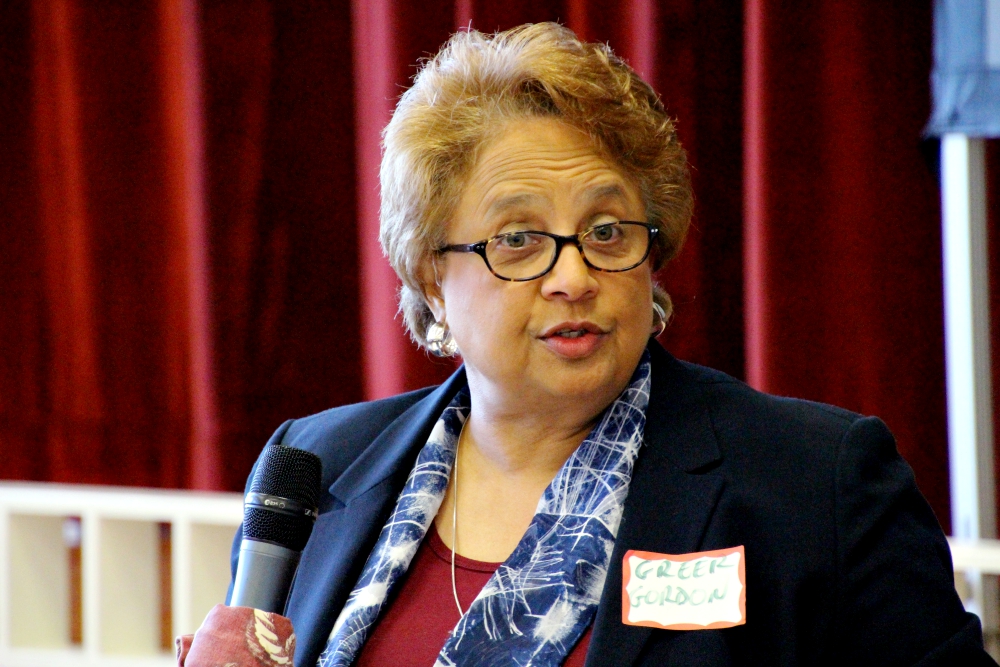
x,y
543,163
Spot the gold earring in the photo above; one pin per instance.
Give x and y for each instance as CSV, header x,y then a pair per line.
x,y
440,342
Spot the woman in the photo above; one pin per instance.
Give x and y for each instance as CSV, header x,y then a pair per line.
x,y
531,186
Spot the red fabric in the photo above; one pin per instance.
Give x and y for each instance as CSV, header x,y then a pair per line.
x,y
238,636
192,212
389,37
189,191
416,625
843,250
104,288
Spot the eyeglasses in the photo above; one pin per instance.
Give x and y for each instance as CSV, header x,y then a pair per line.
x,y
522,256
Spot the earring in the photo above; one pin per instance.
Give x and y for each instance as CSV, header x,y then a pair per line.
x,y
659,320
440,342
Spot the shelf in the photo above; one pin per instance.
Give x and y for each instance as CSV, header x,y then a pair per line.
x,y
108,576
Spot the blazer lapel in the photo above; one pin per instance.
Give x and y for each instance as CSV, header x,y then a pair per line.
x,y
670,501
363,497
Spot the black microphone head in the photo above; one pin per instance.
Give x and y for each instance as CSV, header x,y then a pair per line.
x,y
283,473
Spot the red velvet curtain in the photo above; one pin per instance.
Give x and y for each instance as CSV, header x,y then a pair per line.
x,y
180,267
190,206
843,255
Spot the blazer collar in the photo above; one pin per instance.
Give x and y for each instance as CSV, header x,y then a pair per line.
x,y
392,453
678,422
671,497
345,533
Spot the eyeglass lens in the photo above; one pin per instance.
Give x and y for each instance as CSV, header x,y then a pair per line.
x,y
612,247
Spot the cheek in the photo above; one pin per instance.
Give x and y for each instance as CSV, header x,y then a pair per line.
x,y
634,302
484,312
637,331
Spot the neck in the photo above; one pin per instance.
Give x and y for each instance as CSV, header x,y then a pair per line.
x,y
511,447
527,437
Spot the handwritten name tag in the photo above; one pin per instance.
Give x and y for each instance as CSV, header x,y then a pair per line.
x,y
697,591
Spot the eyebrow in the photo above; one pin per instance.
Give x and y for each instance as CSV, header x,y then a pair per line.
x,y
513,201
597,194
606,191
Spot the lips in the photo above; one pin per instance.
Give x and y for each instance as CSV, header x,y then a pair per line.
x,y
572,330
574,340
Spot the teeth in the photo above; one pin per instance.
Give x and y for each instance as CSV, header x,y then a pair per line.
x,y
572,333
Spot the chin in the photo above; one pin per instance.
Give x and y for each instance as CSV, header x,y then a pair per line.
x,y
584,377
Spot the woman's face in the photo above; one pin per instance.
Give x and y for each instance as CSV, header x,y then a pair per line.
x,y
575,333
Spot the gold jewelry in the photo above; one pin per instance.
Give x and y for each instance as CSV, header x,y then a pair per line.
x,y
454,520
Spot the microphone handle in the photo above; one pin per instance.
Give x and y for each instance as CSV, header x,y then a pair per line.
x,y
264,576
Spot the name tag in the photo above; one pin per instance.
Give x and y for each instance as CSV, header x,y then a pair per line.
x,y
698,591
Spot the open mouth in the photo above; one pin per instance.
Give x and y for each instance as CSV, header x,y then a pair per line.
x,y
572,330
573,338
571,333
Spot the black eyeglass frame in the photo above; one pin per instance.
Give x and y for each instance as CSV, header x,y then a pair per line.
x,y
479,247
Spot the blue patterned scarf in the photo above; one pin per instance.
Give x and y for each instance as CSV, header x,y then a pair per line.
x,y
541,600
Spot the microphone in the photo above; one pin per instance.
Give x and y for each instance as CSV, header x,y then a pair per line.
x,y
278,516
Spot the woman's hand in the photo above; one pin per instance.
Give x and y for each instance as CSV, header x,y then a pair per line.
x,y
238,636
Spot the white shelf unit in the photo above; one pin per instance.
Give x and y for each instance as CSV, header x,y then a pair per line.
x,y
119,570
119,561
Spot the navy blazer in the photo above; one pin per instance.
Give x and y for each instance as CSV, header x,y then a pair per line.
x,y
845,562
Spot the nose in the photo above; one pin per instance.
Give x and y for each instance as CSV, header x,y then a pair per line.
x,y
570,278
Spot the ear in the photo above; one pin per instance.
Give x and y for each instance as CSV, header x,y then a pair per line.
x,y
431,283
432,295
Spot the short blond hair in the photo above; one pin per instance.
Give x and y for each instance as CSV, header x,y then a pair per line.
x,y
461,99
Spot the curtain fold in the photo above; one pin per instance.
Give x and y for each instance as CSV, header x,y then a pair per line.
x,y
842,219
189,307
190,197
116,387
23,335
389,37
284,222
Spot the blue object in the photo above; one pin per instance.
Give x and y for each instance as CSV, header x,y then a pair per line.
x,y
965,82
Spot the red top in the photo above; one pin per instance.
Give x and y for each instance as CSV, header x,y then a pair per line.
x,y
413,629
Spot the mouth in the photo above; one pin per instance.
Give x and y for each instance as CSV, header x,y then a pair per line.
x,y
572,330
571,333
574,340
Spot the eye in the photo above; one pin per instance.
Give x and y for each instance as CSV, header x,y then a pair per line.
x,y
606,233
514,240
